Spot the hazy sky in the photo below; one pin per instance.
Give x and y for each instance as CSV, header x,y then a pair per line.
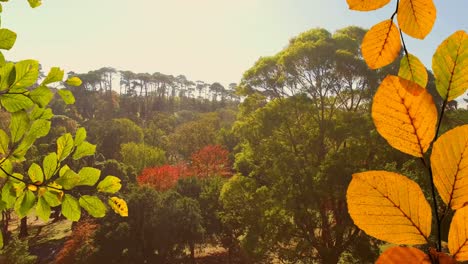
x,y
209,40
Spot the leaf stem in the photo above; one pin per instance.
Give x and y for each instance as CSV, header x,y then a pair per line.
x,y
436,208
396,10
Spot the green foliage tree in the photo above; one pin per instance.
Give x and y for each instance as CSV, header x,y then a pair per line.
x,y
141,156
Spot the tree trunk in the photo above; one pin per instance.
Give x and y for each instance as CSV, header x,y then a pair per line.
x,y
192,252
24,227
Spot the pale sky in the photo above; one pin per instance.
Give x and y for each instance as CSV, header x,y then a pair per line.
x,y
209,40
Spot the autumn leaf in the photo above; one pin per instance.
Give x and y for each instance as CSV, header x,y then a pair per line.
x,y
412,69
416,17
409,255
458,239
449,161
450,66
381,44
405,115
390,207
366,5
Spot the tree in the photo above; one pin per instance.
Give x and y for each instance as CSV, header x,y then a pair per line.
x,y
212,160
163,177
141,156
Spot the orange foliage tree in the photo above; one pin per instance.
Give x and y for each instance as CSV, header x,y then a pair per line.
x,y
212,160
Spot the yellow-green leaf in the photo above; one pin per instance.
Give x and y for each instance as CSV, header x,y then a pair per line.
x,y
410,255
43,209
93,205
18,126
412,69
41,96
80,136
27,72
7,39
449,162
381,44
24,203
89,176
74,81
50,164
64,146
35,174
405,115
416,17
450,66
366,5
110,184
83,150
70,208
390,207
4,141
458,235
67,96
6,168
35,3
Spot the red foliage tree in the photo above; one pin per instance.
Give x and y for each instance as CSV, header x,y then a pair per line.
x,y
212,160
163,177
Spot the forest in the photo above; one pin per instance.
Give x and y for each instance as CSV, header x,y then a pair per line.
x,y
115,166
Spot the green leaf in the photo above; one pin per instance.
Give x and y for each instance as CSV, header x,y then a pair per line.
x,y
27,72
55,75
8,195
15,102
35,174
1,240
5,166
43,209
7,39
412,69
64,146
50,164
35,3
89,176
83,150
41,96
7,76
93,205
74,81
69,180
449,65
41,113
24,203
39,128
110,184
80,136
52,198
19,125
23,148
67,96
70,208
4,140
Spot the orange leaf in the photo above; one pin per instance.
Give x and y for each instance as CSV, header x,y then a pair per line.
x,y
450,66
458,238
416,17
409,255
381,44
449,161
405,115
390,207
366,5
